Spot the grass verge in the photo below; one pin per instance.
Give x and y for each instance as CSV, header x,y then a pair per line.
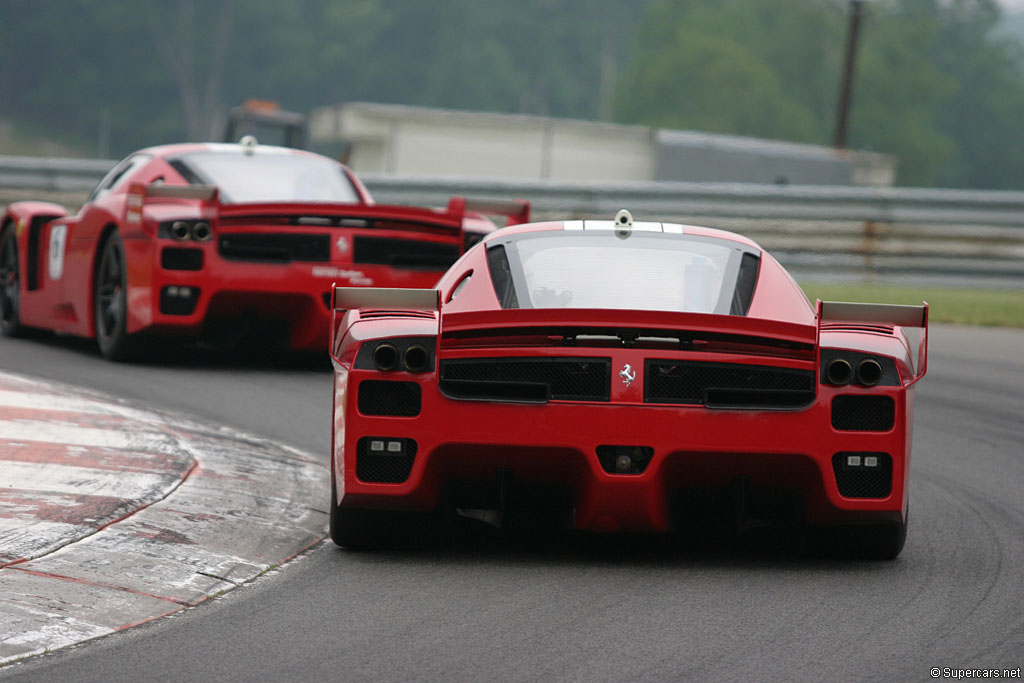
x,y
991,307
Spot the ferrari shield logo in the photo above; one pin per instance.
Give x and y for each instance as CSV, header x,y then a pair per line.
x,y
628,374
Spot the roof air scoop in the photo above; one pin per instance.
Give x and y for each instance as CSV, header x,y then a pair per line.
x,y
249,144
623,224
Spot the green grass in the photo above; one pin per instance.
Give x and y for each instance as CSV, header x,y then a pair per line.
x,y
992,307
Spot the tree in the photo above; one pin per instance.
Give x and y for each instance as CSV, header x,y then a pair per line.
x,y
195,58
933,84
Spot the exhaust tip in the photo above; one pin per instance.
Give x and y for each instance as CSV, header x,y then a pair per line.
x,y
839,371
180,231
201,232
385,357
416,358
869,372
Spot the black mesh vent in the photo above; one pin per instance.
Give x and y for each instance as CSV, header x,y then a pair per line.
x,y
726,384
401,253
527,379
275,248
181,258
863,475
175,300
394,399
378,463
863,413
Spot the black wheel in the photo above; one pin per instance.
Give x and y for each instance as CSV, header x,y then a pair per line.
x,y
361,529
863,541
110,303
10,282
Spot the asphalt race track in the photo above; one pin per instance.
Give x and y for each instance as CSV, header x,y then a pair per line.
x,y
491,608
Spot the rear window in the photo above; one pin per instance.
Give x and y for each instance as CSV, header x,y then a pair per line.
x,y
660,272
268,176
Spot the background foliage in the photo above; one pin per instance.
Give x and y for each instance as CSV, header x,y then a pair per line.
x,y
940,83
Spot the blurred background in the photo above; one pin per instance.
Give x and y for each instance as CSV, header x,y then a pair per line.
x,y
831,131
939,84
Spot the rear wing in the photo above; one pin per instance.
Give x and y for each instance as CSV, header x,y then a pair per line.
x,y
890,314
141,193
345,299
351,215
392,298
517,211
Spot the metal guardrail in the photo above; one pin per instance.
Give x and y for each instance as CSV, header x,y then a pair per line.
x,y
731,200
932,236
52,174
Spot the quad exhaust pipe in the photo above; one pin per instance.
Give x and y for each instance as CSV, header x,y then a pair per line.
x,y
840,373
385,357
869,372
183,231
416,358
201,232
180,231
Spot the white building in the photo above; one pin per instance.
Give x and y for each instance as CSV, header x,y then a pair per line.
x,y
416,141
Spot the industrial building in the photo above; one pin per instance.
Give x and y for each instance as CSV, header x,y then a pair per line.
x,y
417,141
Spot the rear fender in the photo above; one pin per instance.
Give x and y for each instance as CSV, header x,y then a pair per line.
x,y
883,314
346,303
28,219
24,215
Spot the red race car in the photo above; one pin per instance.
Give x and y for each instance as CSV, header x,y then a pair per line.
x,y
217,241
635,377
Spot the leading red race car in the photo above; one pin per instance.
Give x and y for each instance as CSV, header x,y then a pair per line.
x,y
214,241
636,376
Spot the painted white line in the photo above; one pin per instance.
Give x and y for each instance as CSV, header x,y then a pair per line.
x,y
74,435
22,538
50,477
71,404
55,634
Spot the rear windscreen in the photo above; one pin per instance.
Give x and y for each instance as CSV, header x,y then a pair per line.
x,y
660,272
268,176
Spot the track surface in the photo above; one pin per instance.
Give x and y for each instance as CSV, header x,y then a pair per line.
x,y
497,609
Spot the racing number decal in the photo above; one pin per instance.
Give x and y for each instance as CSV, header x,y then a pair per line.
x,y
58,240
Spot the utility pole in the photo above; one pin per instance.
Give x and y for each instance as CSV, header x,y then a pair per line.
x,y
846,87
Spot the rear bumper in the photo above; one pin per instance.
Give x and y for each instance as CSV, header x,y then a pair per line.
x,y
294,297
694,449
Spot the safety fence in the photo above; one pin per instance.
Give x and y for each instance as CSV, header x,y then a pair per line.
x,y
865,234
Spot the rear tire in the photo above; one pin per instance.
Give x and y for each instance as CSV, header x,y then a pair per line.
x,y
10,284
110,303
875,542
362,529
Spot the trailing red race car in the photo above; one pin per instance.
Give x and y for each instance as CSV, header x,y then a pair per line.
x,y
213,241
637,376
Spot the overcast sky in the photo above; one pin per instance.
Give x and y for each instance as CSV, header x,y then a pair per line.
x,y
1012,5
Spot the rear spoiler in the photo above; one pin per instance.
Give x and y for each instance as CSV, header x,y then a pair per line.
x,y
140,193
886,314
394,298
516,210
628,324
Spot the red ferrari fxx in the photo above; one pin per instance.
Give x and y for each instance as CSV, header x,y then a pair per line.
x,y
214,241
636,376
